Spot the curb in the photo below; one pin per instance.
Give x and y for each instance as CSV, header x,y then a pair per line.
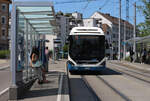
x,y
4,95
65,89
5,67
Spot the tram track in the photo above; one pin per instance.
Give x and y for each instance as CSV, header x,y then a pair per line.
x,y
114,89
96,98
103,89
111,85
85,84
131,73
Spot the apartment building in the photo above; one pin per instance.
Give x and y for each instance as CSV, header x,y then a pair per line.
x,y
4,23
65,22
110,26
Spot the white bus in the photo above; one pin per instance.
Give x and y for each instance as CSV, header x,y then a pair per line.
x,y
86,49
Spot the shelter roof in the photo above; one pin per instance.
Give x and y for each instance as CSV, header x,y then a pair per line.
x,y
40,15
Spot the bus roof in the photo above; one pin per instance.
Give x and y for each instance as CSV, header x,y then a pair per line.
x,y
86,31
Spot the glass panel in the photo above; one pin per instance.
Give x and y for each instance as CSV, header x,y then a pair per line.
x,y
25,40
28,35
32,9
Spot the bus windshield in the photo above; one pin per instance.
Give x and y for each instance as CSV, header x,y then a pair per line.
x,y
87,48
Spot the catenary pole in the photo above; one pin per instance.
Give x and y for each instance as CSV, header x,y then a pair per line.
x,y
126,27
134,32
119,30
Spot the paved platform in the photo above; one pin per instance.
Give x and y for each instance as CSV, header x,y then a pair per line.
x,y
56,89
132,64
4,63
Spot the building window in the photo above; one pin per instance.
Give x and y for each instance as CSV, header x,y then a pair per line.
x,y
3,7
3,20
3,32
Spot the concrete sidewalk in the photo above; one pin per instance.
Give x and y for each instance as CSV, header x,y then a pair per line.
x,y
4,63
56,89
139,66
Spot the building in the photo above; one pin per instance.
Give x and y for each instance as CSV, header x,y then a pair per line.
x,y
65,23
92,22
89,22
4,24
110,26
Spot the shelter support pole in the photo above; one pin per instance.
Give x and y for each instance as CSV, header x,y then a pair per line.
x,y
13,87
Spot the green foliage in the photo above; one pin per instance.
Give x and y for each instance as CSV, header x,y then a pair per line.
x,y
65,48
144,27
127,58
4,53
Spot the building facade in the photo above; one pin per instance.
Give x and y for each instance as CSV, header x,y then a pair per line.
x,y
110,26
4,24
65,23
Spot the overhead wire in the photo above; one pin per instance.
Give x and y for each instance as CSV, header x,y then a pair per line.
x,y
72,1
86,6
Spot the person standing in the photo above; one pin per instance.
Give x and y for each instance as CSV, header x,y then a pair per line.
x,y
47,58
144,54
131,55
37,66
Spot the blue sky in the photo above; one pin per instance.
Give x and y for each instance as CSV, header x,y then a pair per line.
x,y
88,8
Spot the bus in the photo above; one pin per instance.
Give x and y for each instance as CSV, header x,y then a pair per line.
x,y
86,49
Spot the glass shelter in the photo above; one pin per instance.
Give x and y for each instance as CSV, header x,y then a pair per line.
x,y
31,21
141,44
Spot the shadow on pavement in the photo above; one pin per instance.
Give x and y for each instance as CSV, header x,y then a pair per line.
x,y
106,71
109,71
41,93
79,91
54,72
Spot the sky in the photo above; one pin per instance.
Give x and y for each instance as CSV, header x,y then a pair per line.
x,y
89,7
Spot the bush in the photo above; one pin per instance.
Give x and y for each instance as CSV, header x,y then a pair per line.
x,y
4,54
127,58
65,48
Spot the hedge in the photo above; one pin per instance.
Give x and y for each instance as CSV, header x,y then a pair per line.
x,y
4,54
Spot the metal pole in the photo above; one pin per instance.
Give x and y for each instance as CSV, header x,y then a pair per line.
x,y
125,27
119,30
134,32
13,45
26,48
13,93
30,69
124,40
53,52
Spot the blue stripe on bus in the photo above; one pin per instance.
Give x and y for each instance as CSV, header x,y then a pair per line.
x,y
76,68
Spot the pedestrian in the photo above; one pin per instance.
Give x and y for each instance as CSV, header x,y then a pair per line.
x,y
148,58
37,65
144,54
131,55
47,58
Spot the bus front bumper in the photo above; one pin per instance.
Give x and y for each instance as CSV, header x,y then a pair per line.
x,y
81,68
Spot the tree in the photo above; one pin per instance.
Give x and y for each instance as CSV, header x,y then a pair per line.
x,y
65,48
144,27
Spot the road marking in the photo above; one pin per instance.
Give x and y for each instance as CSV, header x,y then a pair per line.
x,y
1,68
5,90
60,88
